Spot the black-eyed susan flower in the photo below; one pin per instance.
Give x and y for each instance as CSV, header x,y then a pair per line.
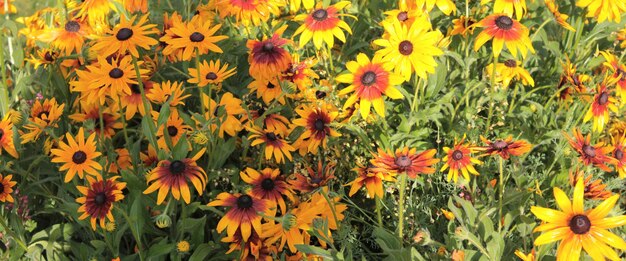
x,y
268,90
174,176
168,91
571,78
127,37
191,36
602,102
372,178
175,128
619,145
406,13
369,80
446,6
604,10
410,48
6,188
619,72
77,155
301,73
578,229
316,121
95,12
122,161
6,137
406,161
268,184
98,198
591,154
42,116
560,18
510,70
325,210
248,12
506,148
10,7
133,102
594,189
212,72
272,122
136,6
511,8
504,31
322,24
250,249
150,157
244,213
459,160
268,58
69,38
463,26
313,179
275,145
44,57
105,125
230,121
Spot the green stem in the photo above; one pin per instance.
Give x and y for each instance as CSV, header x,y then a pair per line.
x,y
4,90
501,196
416,84
134,231
332,206
10,232
401,206
330,61
379,216
493,91
147,106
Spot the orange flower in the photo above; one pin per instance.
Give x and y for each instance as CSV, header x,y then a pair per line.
x,y
405,161
371,179
504,31
593,189
459,160
507,147
602,103
591,154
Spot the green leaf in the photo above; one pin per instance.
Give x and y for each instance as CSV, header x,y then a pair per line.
x,y
313,250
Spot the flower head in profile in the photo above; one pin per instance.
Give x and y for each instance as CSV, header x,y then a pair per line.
x,y
313,179
463,26
459,160
244,214
579,229
591,154
406,161
510,70
504,31
323,24
372,178
594,189
560,18
6,137
175,176
369,80
6,188
446,6
98,198
77,155
619,72
506,147
68,38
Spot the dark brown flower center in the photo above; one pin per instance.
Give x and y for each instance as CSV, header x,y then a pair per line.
x,y
172,131
100,198
1,188
405,47
320,94
457,155
500,145
135,88
48,57
403,161
72,26
211,76
271,136
268,47
41,114
510,63
504,22
320,14
403,16
368,78
124,34
319,125
619,154
604,98
267,184
79,157
589,151
177,167
580,224
196,37
1,133
116,73
244,202
270,85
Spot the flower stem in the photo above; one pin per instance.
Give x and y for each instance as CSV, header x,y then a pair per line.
x,y
4,89
493,91
134,231
401,206
416,84
331,204
146,104
501,196
13,235
379,216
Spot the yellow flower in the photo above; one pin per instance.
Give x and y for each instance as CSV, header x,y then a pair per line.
x,y
182,246
509,70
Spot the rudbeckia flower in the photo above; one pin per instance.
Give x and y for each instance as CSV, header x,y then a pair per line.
x,y
133,102
369,80
372,178
248,12
243,215
230,121
68,39
406,13
459,160
314,179
593,189
174,175
410,48
463,26
97,200
591,154
6,137
301,73
275,144
268,90
446,6
127,37
405,161
42,116
190,37
619,72
525,257
268,184
602,102
164,91
136,6
511,8
603,10
619,144
506,148
509,70
316,122
44,57
212,72
175,127
505,32
571,78
560,18
6,188
77,155
268,58
105,125
322,24
578,229
96,12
